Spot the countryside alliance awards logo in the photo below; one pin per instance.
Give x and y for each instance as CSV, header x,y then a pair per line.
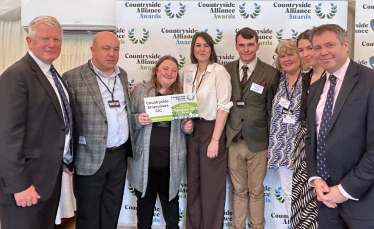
x,y
278,195
146,61
182,36
330,15
371,61
253,15
150,10
222,10
141,40
181,62
279,34
218,37
295,10
170,14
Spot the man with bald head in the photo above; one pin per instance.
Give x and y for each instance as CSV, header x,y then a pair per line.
x,y
103,120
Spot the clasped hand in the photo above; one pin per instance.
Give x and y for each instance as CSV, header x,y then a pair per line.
x,y
330,196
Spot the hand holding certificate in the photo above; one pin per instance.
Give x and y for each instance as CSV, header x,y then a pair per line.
x,y
167,108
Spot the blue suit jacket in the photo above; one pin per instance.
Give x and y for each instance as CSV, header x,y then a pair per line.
x,y
350,138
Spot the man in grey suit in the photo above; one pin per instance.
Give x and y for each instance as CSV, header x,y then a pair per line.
x,y
103,117
35,132
340,137
254,84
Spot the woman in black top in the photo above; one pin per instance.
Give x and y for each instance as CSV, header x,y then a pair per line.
x,y
303,205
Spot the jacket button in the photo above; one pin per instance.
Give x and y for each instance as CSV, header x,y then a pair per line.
x,y
63,129
61,148
104,137
105,122
242,120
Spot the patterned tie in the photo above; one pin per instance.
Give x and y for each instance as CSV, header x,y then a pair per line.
x,y
65,103
322,170
245,75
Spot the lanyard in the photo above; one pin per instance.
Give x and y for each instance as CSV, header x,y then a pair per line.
x,y
293,86
115,80
201,81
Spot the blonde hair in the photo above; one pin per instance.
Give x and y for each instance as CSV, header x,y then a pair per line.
x,y
286,46
43,19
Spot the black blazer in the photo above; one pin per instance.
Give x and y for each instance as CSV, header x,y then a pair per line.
x,y
32,133
350,139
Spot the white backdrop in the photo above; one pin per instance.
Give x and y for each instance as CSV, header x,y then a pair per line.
x,y
364,33
149,30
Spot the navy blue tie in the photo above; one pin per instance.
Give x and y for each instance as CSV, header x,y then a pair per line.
x,y
322,170
68,118
65,103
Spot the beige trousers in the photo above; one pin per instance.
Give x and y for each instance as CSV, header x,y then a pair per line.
x,y
247,171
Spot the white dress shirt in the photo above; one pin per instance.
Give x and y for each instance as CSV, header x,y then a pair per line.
x,y
214,90
46,70
251,67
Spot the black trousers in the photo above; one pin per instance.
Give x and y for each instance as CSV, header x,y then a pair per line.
x,y
158,183
42,215
99,196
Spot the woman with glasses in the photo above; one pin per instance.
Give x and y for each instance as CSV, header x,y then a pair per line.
x,y
206,150
304,205
286,132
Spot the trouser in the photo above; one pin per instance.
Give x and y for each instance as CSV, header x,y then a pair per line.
x,y
286,175
42,215
158,183
247,171
99,196
206,179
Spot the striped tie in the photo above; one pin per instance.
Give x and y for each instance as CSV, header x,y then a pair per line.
x,y
245,75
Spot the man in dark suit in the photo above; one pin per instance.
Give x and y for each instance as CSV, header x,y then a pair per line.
x,y
103,120
254,84
35,132
340,137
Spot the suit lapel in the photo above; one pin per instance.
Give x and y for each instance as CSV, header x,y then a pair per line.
x,y
349,82
124,82
90,80
46,84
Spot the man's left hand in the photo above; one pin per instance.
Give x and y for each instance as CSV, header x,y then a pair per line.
x,y
67,171
336,196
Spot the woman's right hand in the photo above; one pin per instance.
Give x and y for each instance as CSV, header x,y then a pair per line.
x,y
144,119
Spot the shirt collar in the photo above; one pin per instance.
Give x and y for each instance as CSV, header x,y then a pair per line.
x,y
251,66
43,66
98,72
209,68
340,73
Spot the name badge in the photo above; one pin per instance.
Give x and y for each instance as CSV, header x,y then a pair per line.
x,y
288,118
284,103
240,103
114,103
82,140
257,88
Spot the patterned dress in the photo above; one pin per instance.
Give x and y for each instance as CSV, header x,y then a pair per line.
x,y
285,142
304,210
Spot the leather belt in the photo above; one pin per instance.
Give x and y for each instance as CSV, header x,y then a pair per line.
x,y
114,148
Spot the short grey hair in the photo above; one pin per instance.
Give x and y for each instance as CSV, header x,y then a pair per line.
x,y
43,19
340,33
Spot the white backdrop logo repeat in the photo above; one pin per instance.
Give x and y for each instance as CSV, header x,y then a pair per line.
x,y
172,35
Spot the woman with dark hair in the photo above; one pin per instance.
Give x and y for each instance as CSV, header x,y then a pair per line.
x,y
207,153
159,148
287,138
304,206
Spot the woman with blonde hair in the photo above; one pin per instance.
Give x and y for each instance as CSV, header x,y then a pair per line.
x,y
286,133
